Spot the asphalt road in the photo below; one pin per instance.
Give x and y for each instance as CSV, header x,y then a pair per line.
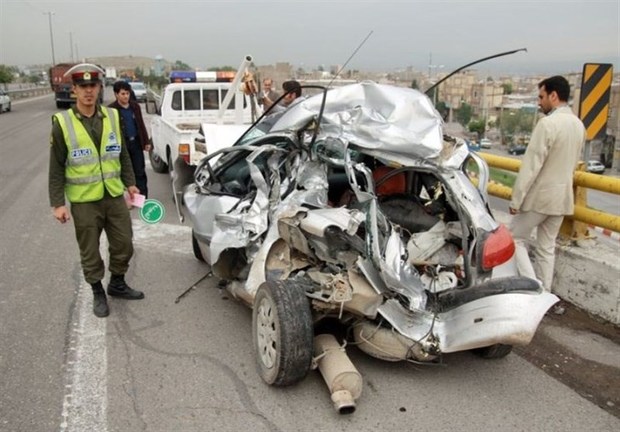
x,y
162,365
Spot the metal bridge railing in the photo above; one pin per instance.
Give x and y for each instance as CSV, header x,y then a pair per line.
x,y
575,226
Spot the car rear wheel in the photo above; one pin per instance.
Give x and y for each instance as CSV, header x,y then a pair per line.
x,y
496,351
282,333
157,163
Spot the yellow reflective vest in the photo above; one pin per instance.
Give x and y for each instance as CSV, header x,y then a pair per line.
x,y
87,170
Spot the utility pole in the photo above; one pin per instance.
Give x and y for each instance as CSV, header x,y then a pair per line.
x,y
430,62
49,18
71,45
485,108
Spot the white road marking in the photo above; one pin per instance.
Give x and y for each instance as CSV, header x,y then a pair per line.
x,y
85,401
162,236
84,406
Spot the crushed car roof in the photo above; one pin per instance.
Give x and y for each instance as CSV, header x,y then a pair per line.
x,y
397,120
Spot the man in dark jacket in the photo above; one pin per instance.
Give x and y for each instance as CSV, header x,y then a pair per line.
x,y
134,131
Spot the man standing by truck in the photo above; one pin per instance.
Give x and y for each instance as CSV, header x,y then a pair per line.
x,y
134,131
91,166
268,95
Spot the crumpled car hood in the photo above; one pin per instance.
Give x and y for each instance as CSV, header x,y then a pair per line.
x,y
373,116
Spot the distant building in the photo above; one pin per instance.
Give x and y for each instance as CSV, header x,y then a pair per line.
x,y
147,65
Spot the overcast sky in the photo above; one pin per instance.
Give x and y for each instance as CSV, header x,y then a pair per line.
x,y
559,35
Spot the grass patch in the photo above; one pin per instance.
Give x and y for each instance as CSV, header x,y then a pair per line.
x,y
503,177
506,178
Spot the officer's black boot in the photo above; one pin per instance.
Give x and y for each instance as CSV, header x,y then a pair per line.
x,y
100,303
119,288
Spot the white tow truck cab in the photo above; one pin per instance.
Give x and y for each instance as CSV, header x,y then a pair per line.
x,y
198,113
185,108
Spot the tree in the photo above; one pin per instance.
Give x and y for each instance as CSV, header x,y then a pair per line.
x,y
414,84
222,69
156,82
463,114
443,110
507,88
477,126
7,74
515,122
179,65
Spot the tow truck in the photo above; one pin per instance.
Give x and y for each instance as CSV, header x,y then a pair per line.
x,y
197,114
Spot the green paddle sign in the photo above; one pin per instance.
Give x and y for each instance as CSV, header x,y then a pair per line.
x,y
152,211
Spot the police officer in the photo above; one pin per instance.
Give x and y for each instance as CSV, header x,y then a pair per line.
x,y
90,164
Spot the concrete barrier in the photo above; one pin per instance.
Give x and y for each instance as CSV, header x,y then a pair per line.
x,y
586,274
30,92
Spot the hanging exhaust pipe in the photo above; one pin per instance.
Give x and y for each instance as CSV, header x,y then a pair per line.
x,y
343,380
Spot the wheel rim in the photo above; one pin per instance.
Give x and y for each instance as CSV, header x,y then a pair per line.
x,y
266,333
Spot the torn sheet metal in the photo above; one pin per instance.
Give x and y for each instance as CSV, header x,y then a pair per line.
x,y
399,274
249,220
373,116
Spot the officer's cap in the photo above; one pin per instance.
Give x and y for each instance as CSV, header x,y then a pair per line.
x,y
85,73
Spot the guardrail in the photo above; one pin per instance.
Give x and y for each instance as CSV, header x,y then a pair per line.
x,y
29,92
575,226
152,95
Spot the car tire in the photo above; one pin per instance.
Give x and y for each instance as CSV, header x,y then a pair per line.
x,y
282,333
196,248
9,108
496,351
157,163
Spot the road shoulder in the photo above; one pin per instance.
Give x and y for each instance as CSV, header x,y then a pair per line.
x,y
582,353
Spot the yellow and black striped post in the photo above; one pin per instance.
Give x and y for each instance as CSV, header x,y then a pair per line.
x,y
593,112
594,100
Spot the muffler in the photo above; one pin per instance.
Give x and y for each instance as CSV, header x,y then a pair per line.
x,y
342,379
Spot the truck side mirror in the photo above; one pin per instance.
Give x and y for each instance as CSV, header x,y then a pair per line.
x,y
151,107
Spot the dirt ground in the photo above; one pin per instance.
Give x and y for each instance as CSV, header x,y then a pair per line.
x,y
594,381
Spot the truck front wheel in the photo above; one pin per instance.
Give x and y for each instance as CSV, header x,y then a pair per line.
x,y
159,166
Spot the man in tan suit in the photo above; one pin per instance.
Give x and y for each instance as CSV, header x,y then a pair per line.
x,y
543,191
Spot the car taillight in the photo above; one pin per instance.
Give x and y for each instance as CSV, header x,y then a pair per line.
x,y
498,248
184,152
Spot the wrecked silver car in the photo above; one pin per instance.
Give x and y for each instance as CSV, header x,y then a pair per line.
x,y
352,209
